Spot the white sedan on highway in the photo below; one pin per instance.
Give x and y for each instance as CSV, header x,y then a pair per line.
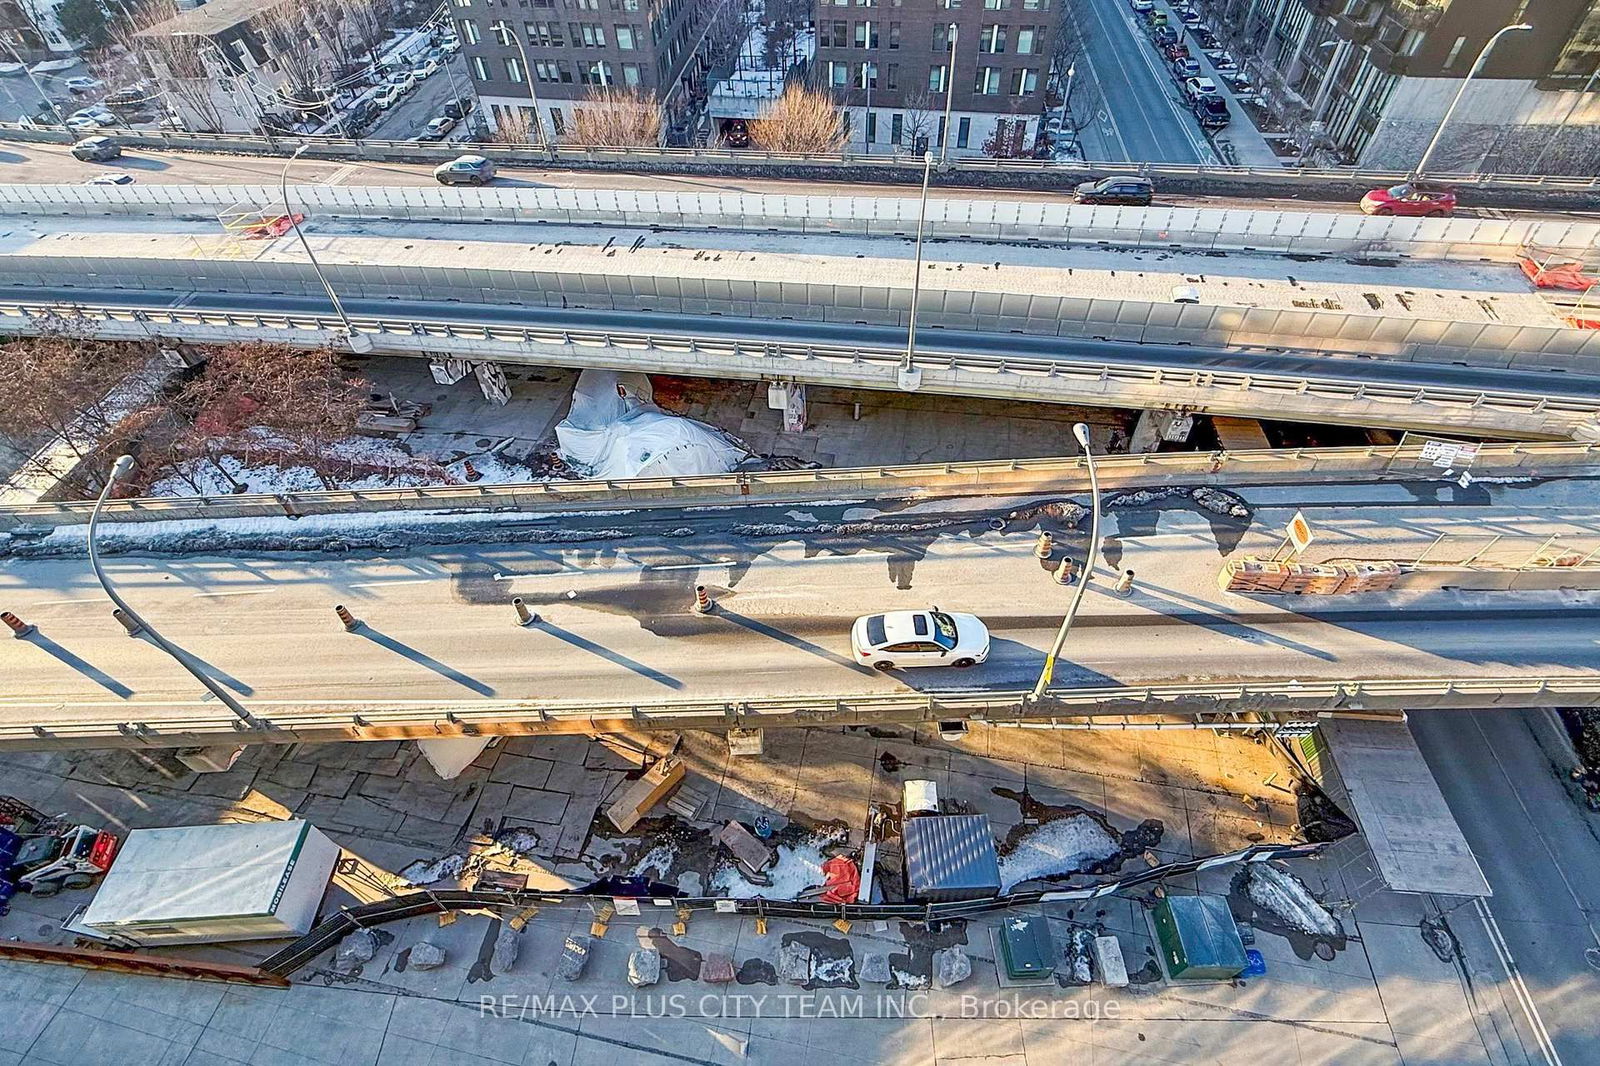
x,y
919,638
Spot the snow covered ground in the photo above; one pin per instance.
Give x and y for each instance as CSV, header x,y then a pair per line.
x,y
1059,847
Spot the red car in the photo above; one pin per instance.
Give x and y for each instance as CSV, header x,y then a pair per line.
x,y
1410,198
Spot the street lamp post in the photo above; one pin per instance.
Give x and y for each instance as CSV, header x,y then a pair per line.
x,y
358,342
910,376
949,96
1477,65
119,470
1080,431
505,30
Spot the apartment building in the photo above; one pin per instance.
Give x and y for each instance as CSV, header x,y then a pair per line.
x,y
576,46
890,64
1372,79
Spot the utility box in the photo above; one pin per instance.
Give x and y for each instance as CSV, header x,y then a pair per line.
x,y
1109,961
1199,940
1027,949
202,883
950,857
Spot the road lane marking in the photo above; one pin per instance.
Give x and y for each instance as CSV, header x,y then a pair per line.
x,y
343,174
1540,1034
234,592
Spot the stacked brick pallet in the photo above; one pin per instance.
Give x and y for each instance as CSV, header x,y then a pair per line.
x,y
1307,579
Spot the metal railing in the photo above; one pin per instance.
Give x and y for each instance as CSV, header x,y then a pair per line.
x,y
570,155
1371,462
283,722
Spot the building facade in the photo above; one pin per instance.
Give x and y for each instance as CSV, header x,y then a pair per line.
x,y
1369,81
890,64
559,51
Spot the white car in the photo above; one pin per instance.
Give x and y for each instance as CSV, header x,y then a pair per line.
x,y
80,85
919,638
82,123
426,69
1141,6
1195,88
386,95
403,80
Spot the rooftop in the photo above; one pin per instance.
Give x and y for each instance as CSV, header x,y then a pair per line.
x,y
209,18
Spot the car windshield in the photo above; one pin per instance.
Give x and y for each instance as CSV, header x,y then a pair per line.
x,y
944,629
1400,192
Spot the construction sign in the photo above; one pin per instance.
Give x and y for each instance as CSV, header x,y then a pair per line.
x,y
1299,532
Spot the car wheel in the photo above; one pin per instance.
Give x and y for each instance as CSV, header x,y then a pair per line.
x,y
1435,214
45,889
883,664
962,664
78,881
1383,211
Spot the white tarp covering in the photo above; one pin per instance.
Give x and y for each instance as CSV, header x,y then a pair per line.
x,y
616,431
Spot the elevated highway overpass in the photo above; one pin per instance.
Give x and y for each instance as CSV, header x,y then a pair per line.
x,y
440,652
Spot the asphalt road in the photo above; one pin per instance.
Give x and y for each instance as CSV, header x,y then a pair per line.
x,y
1540,850
931,342
614,598
1139,116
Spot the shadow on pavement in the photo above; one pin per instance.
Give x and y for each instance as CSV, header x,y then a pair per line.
x,y
93,673
585,644
424,659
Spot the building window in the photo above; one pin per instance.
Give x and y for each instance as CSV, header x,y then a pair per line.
x,y
866,35
544,71
593,35
941,37
463,3
992,40
897,128
558,121
866,3
1455,53
514,70
469,31
867,76
630,74
894,35
1036,5
596,73
838,74
1024,82
963,132
996,5
836,34
1029,40
952,3
939,140
503,33
625,39
937,77
891,76
480,69
987,83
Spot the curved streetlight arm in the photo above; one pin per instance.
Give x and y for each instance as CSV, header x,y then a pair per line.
x,y
1080,431
1477,65
288,210
121,467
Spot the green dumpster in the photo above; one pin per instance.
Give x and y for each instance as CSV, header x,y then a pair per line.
x,y
1199,940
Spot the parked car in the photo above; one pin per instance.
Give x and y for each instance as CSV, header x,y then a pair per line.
x,y
1410,198
1141,6
459,109
451,45
1222,61
919,638
80,85
1165,37
1190,19
1123,189
736,133
1206,39
427,68
97,113
1183,69
1175,51
110,179
81,124
387,96
1155,19
1194,88
465,170
1210,111
402,80
437,129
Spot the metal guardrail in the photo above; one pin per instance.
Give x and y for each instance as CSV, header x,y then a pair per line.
x,y
327,933
280,722
794,486
565,154
143,965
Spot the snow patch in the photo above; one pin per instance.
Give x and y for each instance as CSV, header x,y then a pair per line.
x,y
798,867
1063,846
432,871
1281,893
656,862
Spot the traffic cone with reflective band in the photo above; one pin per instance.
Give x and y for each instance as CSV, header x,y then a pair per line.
x,y
350,621
1045,546
133,628
525,617
1124,585
19,628
1064,572
702,600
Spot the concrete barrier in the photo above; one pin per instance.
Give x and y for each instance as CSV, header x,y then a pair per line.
x,y
1209,229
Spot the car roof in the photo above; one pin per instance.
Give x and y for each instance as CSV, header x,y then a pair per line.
x,y
905,625
473,159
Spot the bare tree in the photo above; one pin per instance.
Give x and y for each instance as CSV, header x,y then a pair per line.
x,y
514,127
728,24
924,109
783,22
292,31
367,23
617,117
801,120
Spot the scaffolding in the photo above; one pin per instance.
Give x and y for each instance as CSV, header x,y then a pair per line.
x,y
246,221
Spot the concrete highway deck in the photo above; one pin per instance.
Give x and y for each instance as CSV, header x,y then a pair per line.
x,y
616,624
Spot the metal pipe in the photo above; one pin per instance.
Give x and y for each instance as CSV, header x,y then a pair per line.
x,y
1477,65
119,470
1081,432
288,210
528,76
907,365
949,97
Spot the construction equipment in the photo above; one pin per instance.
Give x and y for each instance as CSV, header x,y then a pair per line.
x,y
43,864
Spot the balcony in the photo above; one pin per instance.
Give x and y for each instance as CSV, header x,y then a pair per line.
x,y
1384,58
1359,22
1419,14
